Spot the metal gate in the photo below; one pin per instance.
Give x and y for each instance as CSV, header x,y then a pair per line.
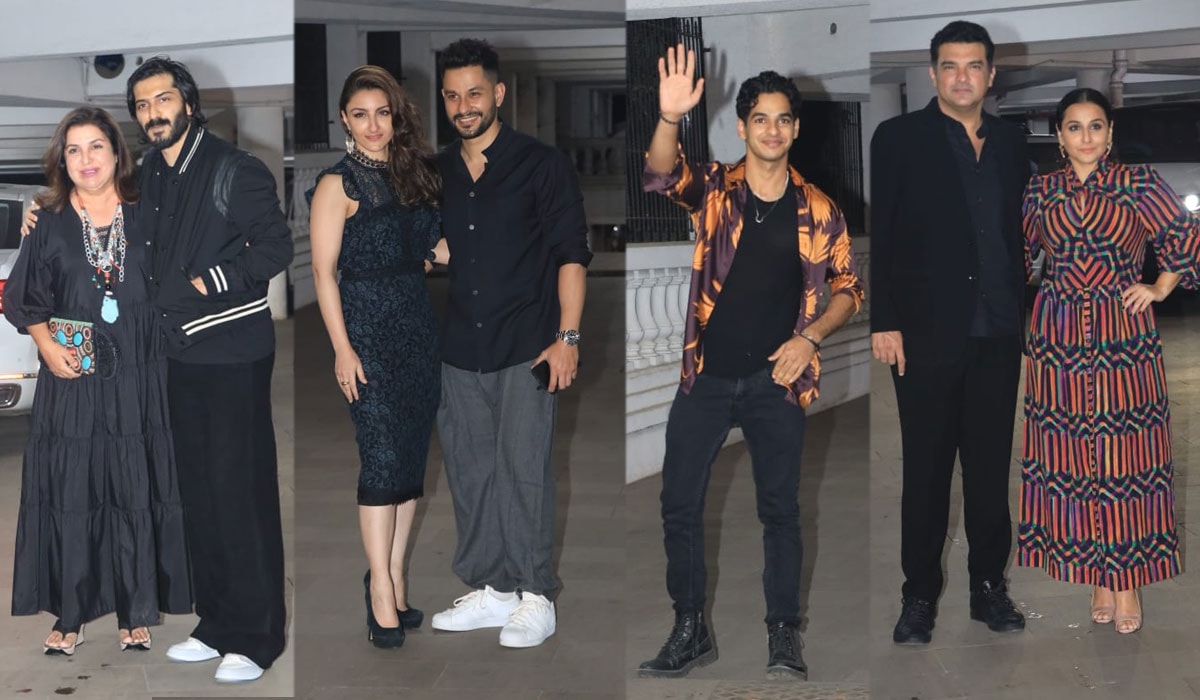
x,y
651,217
828,153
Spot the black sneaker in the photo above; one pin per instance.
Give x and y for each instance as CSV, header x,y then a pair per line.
x,y
688,646
915,625
990,603
784,645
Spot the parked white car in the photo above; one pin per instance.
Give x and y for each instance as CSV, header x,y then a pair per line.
x,y
18,354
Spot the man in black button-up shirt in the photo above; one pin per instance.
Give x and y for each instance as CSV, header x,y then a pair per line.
x,y
513,218
947,280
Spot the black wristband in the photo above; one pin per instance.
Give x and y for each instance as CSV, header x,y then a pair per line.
x,y
664,118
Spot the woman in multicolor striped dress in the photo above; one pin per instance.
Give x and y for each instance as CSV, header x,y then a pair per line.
x,y
1096,481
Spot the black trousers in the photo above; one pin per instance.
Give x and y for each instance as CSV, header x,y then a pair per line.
x,y
964,408
229,486
774,430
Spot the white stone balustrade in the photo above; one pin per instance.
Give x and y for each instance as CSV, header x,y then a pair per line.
x,y
656,290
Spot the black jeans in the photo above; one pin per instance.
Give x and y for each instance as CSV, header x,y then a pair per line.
x,y
964,408
774,430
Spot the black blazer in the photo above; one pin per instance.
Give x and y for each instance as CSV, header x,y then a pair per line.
x,y
924,261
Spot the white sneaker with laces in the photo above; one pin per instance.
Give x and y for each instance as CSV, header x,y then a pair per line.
x,y
530,624
190,650
476,610
236,668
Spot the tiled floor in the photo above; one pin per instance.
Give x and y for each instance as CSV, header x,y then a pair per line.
x,y
582,661
614,611
1061,654
99,670
833,492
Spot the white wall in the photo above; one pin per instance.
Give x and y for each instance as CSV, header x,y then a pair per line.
x,y
796,44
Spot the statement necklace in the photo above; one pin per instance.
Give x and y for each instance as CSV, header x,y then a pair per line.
x,y
106,256
367,160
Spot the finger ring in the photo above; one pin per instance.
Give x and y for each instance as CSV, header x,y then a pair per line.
x,y
344,383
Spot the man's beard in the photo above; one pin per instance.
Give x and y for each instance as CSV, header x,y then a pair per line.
x,y
485,122
178,128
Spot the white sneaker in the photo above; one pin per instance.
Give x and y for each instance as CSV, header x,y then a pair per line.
x,y
190,650
530,624
476,610
236,668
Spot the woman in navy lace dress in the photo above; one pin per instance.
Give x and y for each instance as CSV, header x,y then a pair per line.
x,y
374,220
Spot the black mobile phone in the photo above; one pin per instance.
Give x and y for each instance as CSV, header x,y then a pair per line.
x,y
541,373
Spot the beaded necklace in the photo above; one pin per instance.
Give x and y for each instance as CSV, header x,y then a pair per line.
x,y
106,256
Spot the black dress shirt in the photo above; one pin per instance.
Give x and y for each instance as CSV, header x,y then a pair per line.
x,y
508,233
760,299
983,188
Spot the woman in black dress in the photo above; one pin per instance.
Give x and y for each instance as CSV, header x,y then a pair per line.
x,y
374,219
100,527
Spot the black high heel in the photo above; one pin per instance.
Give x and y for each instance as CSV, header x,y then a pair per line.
x,y
381,637
410,619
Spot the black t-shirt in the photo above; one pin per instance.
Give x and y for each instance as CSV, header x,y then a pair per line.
x,y
759,303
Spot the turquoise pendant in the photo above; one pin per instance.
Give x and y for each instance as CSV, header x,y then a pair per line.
x,y
108,310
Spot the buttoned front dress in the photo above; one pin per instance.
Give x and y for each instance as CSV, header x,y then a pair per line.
x,y
1097,501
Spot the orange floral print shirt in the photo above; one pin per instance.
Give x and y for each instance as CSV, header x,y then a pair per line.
x,y
715,196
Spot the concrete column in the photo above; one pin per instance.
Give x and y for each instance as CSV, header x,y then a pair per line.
x,y
345,50
525,108
1095,78
884,104
547,106
512,95
918,88
420,69
260,131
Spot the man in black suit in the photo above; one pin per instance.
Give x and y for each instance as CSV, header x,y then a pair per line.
x,y
947,276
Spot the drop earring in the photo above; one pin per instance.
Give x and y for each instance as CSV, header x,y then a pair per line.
x,y
349,143
1062,151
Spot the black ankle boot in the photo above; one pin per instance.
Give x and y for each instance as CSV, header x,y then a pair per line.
x,y
785,661
688,646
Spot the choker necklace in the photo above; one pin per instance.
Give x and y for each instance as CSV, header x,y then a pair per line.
x,y
759,218
367,160
105,256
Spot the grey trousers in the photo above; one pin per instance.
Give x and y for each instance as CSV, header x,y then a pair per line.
x,y
496,430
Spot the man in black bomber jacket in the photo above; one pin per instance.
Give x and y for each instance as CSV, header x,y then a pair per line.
x,y
217,236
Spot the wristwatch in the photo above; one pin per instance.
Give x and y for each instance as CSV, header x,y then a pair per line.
x,y
570,337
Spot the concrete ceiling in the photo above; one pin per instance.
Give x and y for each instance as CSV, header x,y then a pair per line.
x,y
464,16
1161,66
1043,45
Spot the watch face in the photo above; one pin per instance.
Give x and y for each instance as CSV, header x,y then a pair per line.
x,y
569,337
